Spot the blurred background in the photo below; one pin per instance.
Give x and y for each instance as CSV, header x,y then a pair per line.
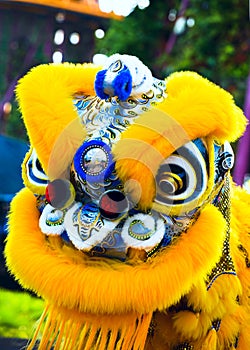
x,y
211,37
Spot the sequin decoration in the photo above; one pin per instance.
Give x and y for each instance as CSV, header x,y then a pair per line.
x,y
174,227
225,265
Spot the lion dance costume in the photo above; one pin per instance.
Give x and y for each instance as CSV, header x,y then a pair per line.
x,y
129,225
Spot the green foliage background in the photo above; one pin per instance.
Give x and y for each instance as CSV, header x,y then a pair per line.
x,y
19,312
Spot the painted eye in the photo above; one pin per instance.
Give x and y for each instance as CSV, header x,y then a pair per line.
x,y
182,178
170,182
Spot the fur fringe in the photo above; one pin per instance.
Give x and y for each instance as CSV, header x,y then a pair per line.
x,y
210,341
244,338
65,329
190,94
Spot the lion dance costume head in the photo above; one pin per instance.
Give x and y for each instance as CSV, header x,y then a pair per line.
x,y
129,225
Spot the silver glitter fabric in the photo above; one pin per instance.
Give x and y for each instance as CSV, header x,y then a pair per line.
x,y
108,118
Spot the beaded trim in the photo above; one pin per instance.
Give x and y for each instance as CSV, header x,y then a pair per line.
x,y
225,265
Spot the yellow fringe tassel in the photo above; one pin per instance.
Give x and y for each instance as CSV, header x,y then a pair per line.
x,y
69,330
210,341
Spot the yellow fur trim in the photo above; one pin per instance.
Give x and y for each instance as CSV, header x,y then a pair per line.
x,y
203,108
195,324
97,285
224,287
45,98
194,108
70,330
142,148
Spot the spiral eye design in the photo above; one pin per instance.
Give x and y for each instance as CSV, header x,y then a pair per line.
x,y
34,172
182,177
169,183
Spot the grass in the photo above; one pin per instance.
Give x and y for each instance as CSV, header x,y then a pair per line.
x,y
19,312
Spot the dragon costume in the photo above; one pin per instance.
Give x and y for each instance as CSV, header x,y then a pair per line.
x,y
129,225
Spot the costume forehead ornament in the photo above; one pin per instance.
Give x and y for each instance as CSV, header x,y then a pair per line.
x,y
122,177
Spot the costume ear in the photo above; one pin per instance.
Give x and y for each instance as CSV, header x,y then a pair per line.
x,y
45,96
